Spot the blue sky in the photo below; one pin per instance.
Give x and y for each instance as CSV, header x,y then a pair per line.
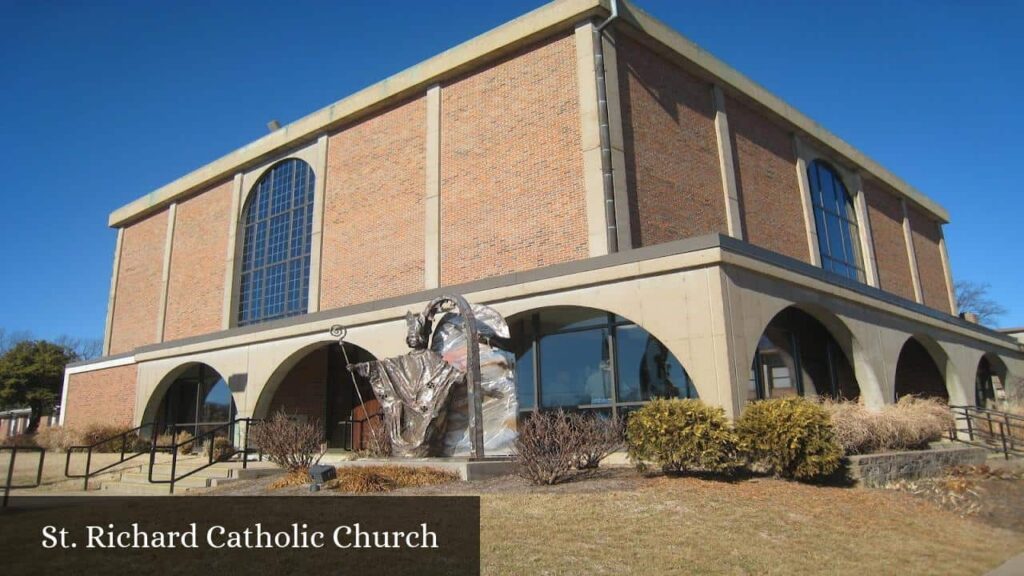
x,y
102,102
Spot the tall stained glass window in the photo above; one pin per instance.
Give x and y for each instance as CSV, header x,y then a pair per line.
x,y
278,228
836,220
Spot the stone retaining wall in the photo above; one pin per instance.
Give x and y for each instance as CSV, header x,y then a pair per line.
x,y
880,469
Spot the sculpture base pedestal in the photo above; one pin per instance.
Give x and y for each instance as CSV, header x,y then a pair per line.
x,y
466,468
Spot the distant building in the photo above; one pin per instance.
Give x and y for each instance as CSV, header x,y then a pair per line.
x,y
725,246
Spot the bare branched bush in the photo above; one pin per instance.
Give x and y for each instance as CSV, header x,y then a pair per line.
x,y
547,449
910,424
599,438
289,443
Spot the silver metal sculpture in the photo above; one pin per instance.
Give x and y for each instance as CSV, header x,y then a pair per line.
x,y
414,389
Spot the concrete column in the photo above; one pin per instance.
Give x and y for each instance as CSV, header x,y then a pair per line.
x,y
805,201
432,203
172,212
317,240
911,253
867,246
948,273
230,281
111,297
726,164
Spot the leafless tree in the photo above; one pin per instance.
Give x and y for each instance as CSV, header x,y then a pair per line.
x,y
973,297
9,340
84,348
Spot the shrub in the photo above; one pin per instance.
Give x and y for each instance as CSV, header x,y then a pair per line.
x,y
917,421
371,479
789,437
910,424
682,435
109,438
223,449
548,447
57,438
289,443
599,437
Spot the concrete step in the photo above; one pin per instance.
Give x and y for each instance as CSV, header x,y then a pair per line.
x,y
136,481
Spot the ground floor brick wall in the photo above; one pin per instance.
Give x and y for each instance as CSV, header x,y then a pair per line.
x,y
101,397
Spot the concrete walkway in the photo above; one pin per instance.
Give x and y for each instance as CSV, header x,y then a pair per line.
x,y
1012,567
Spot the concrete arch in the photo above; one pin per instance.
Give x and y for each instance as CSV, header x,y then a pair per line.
x,y
270,361
942,361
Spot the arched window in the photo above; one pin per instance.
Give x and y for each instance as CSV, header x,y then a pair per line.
x,y
278,228
585,359
836,220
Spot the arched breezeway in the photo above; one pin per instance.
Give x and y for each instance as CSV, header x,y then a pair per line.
x,y
990,382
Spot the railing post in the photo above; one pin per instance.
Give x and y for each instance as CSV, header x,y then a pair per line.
x,y
10,476
245,444
1002,433
39,474
174,466
970,427
88,467
1006,419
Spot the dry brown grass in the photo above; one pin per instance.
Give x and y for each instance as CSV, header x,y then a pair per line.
x,y
377,479
910,424
291,478
57,438
693,526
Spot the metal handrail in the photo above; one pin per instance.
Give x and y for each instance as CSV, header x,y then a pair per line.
x,y
998,428
10,471
175,447
89,472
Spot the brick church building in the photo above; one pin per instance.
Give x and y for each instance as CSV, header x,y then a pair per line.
x,y
650,221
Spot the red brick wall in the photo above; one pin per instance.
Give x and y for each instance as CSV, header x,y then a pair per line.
x,y
770,204
101,397
140,272
195,290
671,149
512,195
373,215
925,233
304,388
886,217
